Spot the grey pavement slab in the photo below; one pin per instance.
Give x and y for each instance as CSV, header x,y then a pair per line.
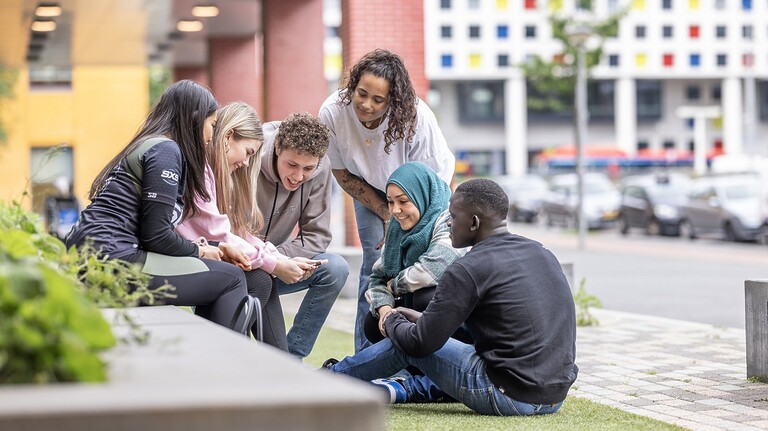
x,y
685,373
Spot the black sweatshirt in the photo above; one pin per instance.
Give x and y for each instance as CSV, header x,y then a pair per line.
x,y
515,300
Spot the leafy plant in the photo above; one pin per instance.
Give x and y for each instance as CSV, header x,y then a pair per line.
x,y
8,77
552,81
584,302
51,329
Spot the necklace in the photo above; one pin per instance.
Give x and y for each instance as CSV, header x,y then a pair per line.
x,y
373,123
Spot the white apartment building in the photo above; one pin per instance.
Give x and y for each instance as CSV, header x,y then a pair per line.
x,y
668,54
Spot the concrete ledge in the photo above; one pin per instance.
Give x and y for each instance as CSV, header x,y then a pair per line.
x,y
756,326
194,375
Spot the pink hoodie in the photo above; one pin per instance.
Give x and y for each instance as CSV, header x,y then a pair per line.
x,y
214,226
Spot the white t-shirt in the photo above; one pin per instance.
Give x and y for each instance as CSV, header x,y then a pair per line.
x,y
361,151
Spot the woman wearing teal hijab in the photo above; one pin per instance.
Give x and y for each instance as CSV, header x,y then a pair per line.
x,y
417,244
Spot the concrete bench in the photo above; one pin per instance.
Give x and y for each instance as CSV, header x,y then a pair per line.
x,y
194,375
756,298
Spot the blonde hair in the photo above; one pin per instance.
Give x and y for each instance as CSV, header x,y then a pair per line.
x,y
236,191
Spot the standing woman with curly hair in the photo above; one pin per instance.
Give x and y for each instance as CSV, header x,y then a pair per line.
x,y
376,124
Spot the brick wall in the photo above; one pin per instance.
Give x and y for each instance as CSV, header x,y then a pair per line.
x,y
396,25
236,70
293,57
194,73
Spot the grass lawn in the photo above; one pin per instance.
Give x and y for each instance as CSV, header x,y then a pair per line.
x,y
576,413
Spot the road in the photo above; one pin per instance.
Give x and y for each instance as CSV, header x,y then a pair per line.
x,y
699,281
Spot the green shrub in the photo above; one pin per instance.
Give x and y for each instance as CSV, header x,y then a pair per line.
x,y
51,329
584,302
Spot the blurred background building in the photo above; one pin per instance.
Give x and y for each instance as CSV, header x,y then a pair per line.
x,y
668,53
84,73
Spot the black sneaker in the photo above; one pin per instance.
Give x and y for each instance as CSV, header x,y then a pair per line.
x,y
329,363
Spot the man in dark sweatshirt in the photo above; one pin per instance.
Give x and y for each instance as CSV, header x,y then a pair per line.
x,y
516,303
294,194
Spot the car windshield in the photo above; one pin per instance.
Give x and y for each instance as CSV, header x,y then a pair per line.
x,y
667,193
741,191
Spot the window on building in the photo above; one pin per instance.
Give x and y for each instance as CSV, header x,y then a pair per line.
x,y
613,60
641,59
722,60
601,98
666,4
502,60
530,4
691,145
762,99
669,144
642,145
747,60
446,61
332,31
446,31
445,4
689,123
692,92
50,77
640,32
530,31
638,4
474,4
693,31
746,4
502,31
481,101
501,4
648,96
475,60
474,31
746,32
668,60
667,31
693,4
613,6
694,60
716,93
47,164
720,32
719,4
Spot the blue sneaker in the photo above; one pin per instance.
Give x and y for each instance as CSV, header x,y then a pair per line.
x,y
394,388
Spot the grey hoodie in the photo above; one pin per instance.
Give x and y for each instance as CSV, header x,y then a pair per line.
x,y
284,210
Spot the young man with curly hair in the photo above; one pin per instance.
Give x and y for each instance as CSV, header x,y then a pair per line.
x,y
295,196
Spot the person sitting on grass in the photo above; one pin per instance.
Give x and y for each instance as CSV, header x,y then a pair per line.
x,y
515,300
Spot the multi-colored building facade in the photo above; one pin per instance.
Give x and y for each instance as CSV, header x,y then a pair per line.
x,y
668,54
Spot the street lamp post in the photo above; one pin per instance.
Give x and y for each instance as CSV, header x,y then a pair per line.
x,y
578,34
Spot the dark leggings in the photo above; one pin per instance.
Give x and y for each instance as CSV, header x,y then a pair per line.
x,y
418,301
261,285
214,288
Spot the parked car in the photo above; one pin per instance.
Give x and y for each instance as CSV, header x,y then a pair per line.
x,y
525,194
762,235
652,203
601,201
730,207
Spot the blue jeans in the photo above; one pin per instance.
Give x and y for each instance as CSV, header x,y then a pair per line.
x,y
323,288
370,229
455,370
